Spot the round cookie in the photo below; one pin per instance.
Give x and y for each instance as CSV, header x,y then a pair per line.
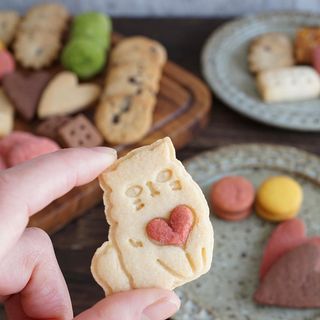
x,y
94,25
279,198
84,57
232,198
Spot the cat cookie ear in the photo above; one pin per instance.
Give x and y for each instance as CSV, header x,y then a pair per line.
x,y
165,147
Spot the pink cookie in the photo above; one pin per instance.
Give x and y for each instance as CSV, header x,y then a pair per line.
x,y
30,149
7,63
2,163
285,237
232,198
13,139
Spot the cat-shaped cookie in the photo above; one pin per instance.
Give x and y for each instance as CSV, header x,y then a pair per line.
x,y
160,234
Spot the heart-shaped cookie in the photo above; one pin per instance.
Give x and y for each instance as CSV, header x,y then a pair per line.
x,y
24,90
294,280
64,95
175,231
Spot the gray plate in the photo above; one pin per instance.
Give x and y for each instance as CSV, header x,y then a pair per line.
x,y
224,65
225,293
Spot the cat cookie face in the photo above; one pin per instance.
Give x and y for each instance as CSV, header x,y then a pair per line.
x,y
160,233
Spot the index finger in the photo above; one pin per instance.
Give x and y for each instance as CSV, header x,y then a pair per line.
x,y
29,187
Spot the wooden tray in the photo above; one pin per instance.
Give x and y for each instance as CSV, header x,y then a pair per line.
x,y
182,109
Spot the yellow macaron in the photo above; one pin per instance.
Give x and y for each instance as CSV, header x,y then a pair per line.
x,y
279,198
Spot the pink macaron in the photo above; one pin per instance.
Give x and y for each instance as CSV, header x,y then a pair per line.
x,y
232,198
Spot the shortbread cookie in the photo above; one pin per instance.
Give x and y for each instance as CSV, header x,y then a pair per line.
x,y
64,95
125,119
39,37
6,114
128,79
9,21
46,16
36,49
270,51
146,190
140,49
307,39
289,84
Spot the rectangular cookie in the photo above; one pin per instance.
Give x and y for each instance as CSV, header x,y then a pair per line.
x,y
289,84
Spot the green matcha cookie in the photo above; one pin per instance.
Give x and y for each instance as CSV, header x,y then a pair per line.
x,y
84,57
94,25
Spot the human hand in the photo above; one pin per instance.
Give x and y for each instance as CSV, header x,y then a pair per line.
x,y
31,283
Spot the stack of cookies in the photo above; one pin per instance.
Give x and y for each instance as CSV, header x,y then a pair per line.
x,y
272,57
125,113
38,39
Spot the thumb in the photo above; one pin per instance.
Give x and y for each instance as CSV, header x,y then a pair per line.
x,y
139,304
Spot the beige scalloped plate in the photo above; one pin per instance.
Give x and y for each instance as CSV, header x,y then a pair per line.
x,y
225,293
224,65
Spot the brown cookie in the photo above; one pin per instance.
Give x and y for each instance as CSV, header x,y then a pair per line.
x,y
49,128
80,132
293,281
307,39
125,119
270,51
128,79
9,21
25,90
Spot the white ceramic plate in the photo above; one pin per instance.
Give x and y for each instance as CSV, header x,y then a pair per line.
x,y
224,65
225,292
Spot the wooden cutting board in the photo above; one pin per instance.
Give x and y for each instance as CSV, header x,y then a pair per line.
x,y
182,109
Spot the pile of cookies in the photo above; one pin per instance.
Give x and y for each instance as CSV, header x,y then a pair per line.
x,y
39,35
42,72
278,198
286,70
129,96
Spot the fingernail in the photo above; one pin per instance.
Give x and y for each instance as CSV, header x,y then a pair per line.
x,y
105,150
162,309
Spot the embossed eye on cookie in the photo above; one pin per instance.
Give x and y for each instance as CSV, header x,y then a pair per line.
x,y
160,234
232,198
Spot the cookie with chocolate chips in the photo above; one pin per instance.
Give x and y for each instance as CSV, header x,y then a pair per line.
x,y
124,119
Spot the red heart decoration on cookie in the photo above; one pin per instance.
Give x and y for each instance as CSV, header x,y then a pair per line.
x,y
24,90
173,231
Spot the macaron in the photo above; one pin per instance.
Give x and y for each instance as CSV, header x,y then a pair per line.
x,y
7,63
279,198
83,57
94,25
232,198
